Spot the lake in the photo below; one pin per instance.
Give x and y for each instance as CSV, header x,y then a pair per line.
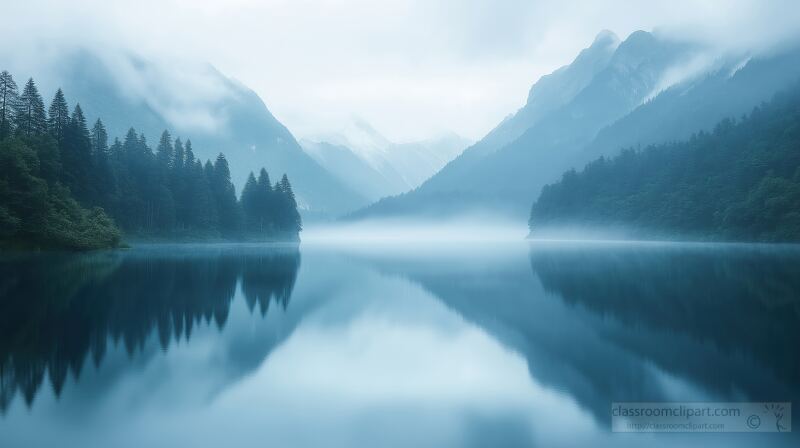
x,y
486,344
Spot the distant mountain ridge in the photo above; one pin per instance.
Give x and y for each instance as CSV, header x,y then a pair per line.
x,y
368,162
128,90
613,95
355,172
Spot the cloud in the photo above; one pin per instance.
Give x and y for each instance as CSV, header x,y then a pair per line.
x,y
412,68
186,93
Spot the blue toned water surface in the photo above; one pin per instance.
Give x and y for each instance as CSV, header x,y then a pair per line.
x,y
436,345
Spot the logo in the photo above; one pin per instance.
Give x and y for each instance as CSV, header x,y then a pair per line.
x,y
777,411
753,422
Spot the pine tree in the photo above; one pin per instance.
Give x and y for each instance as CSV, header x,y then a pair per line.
x,y
178,156
164,150
76,158
106,184
144,191
129,142
225,197
29,114
58,117
266,202
78,122
142,148
190,159
9,96
115,150
99,138
207,198
289,217
152,179
132,172
250,205
178,184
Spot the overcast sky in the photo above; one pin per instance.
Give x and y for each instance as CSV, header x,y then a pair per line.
x,y
411,68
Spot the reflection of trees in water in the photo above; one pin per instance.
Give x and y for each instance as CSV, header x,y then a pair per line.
x,y
57,310
744,301
622,322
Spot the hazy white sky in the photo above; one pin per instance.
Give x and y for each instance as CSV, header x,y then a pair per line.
x,y
412,68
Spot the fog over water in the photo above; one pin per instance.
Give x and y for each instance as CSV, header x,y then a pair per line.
x,y
418,344
473,228
461,229
395,288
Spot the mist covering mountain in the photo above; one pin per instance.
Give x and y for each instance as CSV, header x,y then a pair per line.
x,y
646,89
369,163
217,113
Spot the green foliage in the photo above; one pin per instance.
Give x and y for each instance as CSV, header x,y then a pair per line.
x,y
76,158
58,117
9,96
224,193
29,114
250,204
742,181
37,214
269,210
287,216
54,167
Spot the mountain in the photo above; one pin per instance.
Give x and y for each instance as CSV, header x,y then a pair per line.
x,y
550,93
731,88
198,102
354,171
646,89
740,182
368,162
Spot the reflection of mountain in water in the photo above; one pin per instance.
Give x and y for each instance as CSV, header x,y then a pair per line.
x,y
744,301
633,323
56,310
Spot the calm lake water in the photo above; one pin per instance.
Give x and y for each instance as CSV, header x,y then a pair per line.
x,y
500,345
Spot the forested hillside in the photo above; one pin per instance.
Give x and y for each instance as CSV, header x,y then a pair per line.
x,y
610,97
565,111
739,182
64,185
192,99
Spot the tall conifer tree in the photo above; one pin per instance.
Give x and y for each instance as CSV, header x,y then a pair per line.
x,y
250,205
266,202
9,96
164,150
225,197
76,158
58,117
106,187
29,115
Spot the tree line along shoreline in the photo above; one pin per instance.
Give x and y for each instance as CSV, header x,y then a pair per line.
x,y
739,182
64,185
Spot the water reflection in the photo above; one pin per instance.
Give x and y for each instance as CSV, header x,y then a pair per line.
x,y
632,322
58,310
739,303
489,345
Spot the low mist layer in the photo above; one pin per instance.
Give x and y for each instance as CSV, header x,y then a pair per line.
x,y
472,228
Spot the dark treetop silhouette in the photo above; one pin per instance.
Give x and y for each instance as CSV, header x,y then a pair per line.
x,y
60,310
62,185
